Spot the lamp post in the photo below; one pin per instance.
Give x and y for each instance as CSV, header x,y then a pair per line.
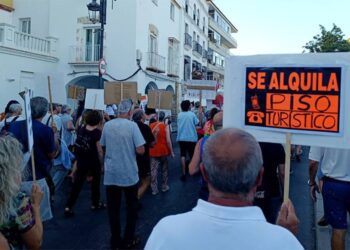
x,y
97,13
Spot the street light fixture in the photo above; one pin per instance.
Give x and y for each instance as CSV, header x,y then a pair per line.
x,y
97,13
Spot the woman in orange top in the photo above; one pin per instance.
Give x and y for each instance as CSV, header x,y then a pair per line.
x,y
159,153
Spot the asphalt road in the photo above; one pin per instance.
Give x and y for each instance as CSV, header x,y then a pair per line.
x,y
90,230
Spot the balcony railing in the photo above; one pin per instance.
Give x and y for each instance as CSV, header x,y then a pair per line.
x,y
173,67
85,54
11,38
155,62
188,40
197,47
205,54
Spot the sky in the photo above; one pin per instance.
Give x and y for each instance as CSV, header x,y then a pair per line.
x,y
282,26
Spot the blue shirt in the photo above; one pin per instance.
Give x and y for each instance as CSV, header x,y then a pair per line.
x,y
44,144
186,127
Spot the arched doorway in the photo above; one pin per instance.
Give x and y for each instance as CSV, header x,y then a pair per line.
x,y
170,88
88,82
150,86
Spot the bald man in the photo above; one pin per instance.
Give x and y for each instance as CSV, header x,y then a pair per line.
x,y
232,166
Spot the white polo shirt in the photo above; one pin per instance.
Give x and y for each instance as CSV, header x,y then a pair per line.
x,y
335,162
210,226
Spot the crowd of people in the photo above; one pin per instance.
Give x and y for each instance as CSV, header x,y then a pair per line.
x,y
240,187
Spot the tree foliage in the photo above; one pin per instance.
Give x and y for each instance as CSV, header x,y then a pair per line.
x,y
328,41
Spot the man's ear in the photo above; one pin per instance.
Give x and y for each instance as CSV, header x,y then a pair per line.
x,y
204,172
259,178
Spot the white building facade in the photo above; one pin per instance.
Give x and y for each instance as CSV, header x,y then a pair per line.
x,y
40,38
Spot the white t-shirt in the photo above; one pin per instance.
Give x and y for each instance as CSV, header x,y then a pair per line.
x,y
57,120
210,226
335,162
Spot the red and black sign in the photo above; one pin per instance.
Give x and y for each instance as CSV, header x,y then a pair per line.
x,y
298,98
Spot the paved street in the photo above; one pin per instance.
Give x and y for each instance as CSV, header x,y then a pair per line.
x,y
90,230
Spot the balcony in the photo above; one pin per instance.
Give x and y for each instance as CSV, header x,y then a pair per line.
x,y
173,67
226,38
15,42
84,54
205,54
197,48
188,40
155,62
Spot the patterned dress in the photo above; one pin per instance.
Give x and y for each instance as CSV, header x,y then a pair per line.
x,y
20,222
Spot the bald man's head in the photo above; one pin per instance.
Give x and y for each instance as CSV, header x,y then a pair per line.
x,y
232,159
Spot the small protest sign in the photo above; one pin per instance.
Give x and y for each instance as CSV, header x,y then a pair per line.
x,y
29,122
94,99
117,91
160,99
76,92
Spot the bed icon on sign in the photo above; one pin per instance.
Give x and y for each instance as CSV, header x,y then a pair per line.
x,y
255,117
255,102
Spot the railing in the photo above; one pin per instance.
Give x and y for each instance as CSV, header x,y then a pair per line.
x,y
31,43
197,47
188,40
205,54
155,62
173,67
85,54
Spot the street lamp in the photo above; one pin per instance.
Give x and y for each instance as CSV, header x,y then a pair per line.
x,y
97,13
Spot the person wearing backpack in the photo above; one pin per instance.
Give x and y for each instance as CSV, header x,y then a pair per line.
x,y
13,115
89,155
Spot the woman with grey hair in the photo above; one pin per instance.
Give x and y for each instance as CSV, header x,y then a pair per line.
x,y
14,114
20,220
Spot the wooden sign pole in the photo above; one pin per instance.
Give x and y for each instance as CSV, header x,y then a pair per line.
x,y
50,98
33,166
95,99
121,91
287,167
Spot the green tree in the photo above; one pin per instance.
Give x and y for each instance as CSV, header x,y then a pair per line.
x,y
328,41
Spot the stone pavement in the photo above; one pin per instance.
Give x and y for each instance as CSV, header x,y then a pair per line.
x,y
323,234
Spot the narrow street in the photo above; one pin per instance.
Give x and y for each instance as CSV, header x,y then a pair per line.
x,y
90,230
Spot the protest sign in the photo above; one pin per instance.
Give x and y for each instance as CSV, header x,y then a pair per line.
x,y
76,92
29,122
94,99
306,95
201,90
160,99
117,91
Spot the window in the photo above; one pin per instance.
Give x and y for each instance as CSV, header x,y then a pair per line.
x,y
186,6
204,24
194,12
153,43
198,38
186,28
198,17
203,44
24,25
172,11
92,44
155,2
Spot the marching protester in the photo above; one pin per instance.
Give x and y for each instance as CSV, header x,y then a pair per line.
x,y
7,109
14,114
209,126
20,220
269,194
46,146
159,153
198,156
186,134
232,166
122,140
67,125
89,154
335,190
53,120
143,161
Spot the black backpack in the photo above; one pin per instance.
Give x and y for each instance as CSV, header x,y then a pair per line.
x,y
6,127
82,145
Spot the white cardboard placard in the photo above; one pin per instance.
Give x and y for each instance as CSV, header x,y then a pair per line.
x,y
94,99
29,123
235,96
